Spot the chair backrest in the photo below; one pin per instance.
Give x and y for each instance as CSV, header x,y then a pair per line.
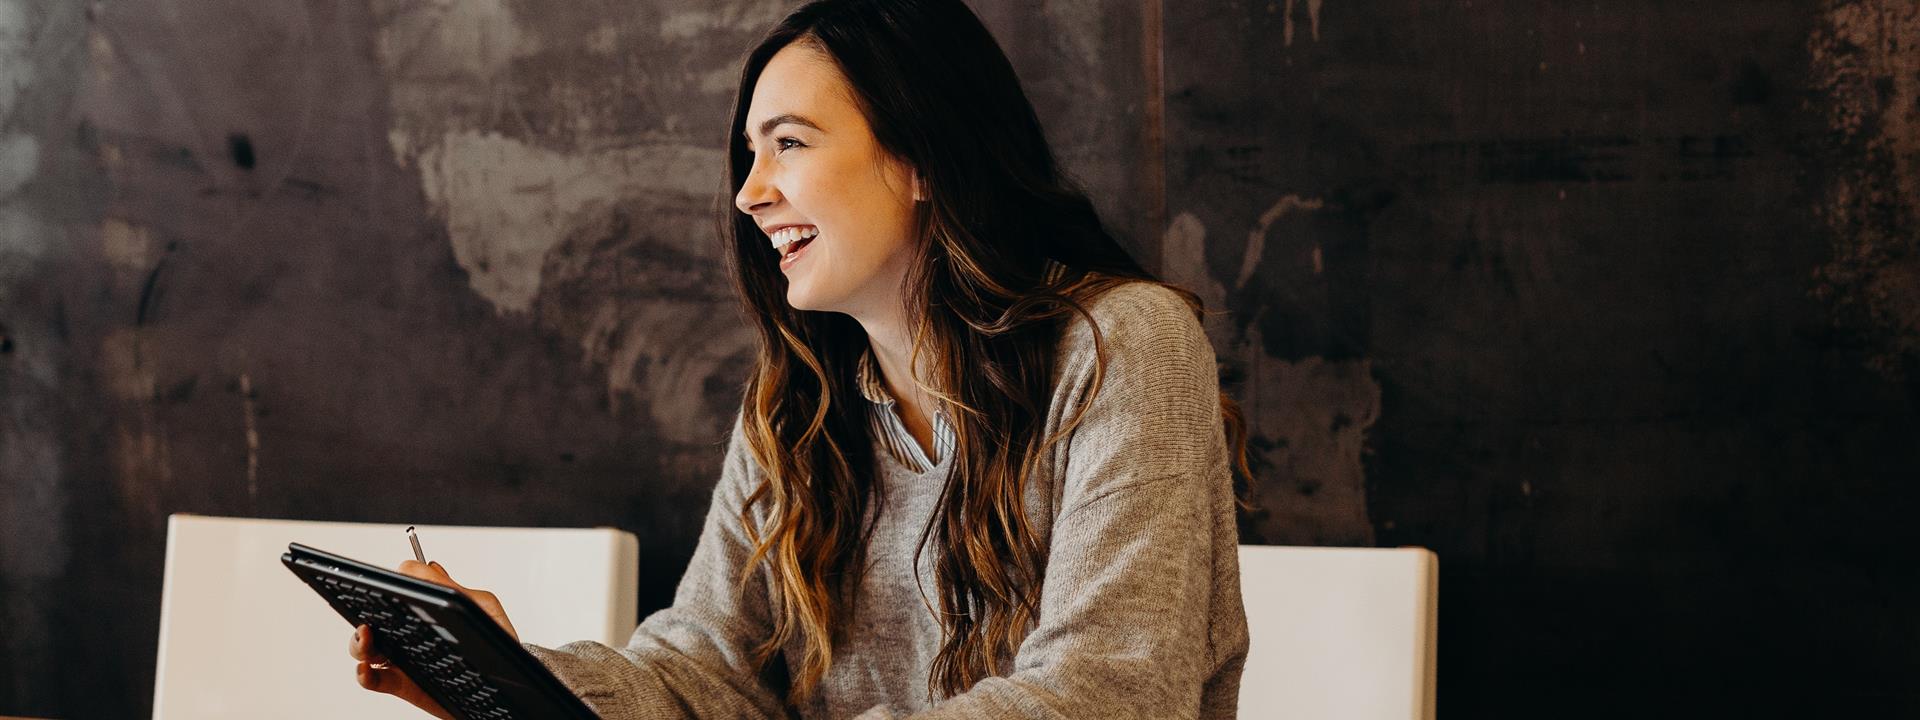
x,y
1345,633
241,637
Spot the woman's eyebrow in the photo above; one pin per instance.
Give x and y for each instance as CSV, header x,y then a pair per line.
x,y
767,126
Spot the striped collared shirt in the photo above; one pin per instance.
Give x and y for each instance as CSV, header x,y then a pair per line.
x,y
891,431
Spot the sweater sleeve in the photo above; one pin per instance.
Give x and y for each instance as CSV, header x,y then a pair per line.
x,y
1124,629
694,659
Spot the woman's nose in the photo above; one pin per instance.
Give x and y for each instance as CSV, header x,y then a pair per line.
x,y
755,193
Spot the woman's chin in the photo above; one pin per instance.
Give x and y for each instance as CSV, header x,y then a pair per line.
x,y
802,296
799,298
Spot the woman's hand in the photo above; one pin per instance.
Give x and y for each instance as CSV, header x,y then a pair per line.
x,y
390,680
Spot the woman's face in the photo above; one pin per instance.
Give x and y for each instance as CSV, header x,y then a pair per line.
x,y
818,167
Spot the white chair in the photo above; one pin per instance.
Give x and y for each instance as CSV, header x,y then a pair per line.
x,y
241,637
1347,633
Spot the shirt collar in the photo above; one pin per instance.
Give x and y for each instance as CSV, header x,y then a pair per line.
x,y
874,389
868,378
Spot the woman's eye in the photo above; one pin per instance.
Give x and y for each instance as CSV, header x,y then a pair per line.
x,y
782,142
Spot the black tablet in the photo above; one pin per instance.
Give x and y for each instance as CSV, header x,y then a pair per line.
x,y
438,637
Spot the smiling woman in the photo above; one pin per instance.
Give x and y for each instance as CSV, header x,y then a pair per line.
x,y
819,170
982,467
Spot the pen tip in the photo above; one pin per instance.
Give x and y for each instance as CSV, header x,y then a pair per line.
x,y
409,528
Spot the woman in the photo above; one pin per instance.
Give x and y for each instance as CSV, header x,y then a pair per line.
x,y
980,468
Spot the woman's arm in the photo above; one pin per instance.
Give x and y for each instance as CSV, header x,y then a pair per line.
x,y
693,659
1135,619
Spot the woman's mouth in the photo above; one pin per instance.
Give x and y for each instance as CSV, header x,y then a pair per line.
x,y
792,242
791,253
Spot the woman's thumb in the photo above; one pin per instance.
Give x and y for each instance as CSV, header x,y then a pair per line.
x,y
442,572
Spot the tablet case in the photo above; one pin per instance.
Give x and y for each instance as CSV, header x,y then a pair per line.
x,y
438,637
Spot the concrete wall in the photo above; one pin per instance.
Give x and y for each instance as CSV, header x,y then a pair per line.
x,y
1615,305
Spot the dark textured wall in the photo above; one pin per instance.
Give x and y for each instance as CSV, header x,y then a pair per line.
x,y
1548,272
1612,304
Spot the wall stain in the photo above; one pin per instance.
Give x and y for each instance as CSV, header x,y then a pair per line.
x,y
1257,238
506,203
240,147
576,188
1307,417
1504,306
651,313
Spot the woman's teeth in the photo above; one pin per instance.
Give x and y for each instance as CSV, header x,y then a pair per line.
x,y
784,237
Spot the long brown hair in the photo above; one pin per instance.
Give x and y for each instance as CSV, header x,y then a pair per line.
x,y
986,315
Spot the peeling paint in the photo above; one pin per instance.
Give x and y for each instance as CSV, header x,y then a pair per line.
x,y
506,202
508,195
1313,416
648,308
1307,421
1313,20
661,355
1257,238
1867,61
552,182
471,38
1183,253
449,65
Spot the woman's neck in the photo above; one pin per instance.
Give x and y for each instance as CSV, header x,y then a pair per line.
x,y
893,349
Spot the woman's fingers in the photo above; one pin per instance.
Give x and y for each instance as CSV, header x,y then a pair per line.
x,y
361,646
353,645
372,674
375,679
488,602
429,573
393,682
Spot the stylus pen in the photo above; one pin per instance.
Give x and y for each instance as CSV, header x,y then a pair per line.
x,y
415,539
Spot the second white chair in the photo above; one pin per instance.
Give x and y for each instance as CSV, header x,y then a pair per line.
x,y
1339,633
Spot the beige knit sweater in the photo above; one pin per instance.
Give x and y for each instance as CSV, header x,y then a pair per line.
x,y
1140,608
